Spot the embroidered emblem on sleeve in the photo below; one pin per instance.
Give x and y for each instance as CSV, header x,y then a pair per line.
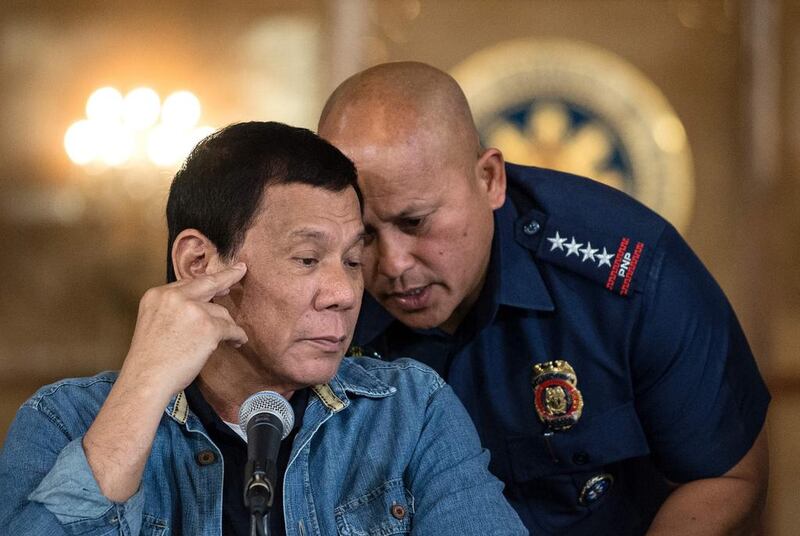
x,y
573,247
588,252
624,266
557,242
604,259
613,264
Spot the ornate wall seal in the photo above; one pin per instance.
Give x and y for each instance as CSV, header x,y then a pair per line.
x,y
579,108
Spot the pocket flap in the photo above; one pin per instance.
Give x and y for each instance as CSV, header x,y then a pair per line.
x,y
597,441
385,510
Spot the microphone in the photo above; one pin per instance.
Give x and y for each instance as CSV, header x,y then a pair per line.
x,y
266,418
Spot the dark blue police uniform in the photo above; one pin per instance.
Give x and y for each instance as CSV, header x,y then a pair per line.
x,y
663,383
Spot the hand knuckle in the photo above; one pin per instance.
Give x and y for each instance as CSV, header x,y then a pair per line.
x,y
150,295
194,313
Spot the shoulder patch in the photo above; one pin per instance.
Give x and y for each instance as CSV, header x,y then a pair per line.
x,y
617,261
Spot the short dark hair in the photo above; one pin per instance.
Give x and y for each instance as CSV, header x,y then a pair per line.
x,y
219,188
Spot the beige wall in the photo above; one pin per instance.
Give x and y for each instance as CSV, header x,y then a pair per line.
x,y
71,280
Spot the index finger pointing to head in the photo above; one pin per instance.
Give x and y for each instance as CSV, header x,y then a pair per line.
x,y
206,287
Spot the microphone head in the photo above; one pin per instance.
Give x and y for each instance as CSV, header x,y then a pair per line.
x,y
267,402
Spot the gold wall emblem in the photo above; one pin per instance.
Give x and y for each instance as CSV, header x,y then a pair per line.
x,y
578,108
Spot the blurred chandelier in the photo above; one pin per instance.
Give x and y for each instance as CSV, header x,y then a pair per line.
x,y
132,130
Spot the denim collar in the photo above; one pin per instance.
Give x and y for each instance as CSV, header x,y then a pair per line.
x,y
178,408
350,378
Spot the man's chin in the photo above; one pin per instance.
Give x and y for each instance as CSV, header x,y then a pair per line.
x,y
319,373
426,319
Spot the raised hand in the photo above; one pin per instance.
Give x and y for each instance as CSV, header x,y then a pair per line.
x,y
177,330
178,327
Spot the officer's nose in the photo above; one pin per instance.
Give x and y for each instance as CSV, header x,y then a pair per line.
x,y
338,288
394,254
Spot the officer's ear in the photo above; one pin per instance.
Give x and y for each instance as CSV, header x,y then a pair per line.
x,y
193,255
491,172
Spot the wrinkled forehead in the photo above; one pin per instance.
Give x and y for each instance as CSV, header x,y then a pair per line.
x,y
285,208
404,189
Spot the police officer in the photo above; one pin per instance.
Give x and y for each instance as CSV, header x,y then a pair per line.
x,y
601,363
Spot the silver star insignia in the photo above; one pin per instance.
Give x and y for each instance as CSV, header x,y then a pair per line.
x,y
573,247
588,252
604,258
557,241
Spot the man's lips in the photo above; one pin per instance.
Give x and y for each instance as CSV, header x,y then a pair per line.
x,y
328,343
412,299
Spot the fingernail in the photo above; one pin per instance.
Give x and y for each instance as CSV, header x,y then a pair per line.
x,y
240,266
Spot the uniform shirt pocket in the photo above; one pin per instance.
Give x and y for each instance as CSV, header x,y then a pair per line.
x,y
593,442
387,509
551,484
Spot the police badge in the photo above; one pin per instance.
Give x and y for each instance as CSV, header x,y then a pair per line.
x,y
555,394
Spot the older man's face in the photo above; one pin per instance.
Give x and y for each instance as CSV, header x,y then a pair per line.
x,y
300,298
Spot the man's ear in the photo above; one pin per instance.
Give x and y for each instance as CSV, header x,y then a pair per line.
x,y
192,253
491,171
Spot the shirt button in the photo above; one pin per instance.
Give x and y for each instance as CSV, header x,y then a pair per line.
x,y
580,458
206,457
595,488
398,511
531,228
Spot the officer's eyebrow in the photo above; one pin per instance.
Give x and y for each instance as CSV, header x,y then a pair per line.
x,y
415,210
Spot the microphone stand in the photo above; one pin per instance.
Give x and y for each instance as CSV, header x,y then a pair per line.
x,y
259,525
258,496
266,418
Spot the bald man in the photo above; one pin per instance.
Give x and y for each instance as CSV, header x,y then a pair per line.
x,y
601,363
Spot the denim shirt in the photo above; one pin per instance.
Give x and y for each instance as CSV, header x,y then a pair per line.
x,y
385,448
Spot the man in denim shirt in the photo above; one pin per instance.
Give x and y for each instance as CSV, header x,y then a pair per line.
x,y
265,240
